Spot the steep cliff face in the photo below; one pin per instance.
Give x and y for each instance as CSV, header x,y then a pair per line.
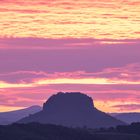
x,y
72,109
68,102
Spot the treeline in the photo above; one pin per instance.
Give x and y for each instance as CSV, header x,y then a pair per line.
x,y
36,131
134,128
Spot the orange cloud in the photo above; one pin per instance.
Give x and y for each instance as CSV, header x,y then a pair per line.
x,y
41,82
76,19
7,108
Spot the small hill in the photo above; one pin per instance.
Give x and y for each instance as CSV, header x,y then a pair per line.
x,y
72,109
127,117
13,116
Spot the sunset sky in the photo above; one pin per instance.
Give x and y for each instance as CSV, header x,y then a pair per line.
x,y
90,46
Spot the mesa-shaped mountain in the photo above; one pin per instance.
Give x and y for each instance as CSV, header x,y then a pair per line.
x,y
13,116
72,109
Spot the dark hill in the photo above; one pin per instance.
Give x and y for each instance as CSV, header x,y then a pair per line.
x,y
36,131
72,110
13,116
127,117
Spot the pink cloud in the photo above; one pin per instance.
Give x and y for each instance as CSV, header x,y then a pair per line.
x,y
128,73
128,107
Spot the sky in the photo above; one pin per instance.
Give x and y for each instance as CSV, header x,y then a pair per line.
x,y
86,46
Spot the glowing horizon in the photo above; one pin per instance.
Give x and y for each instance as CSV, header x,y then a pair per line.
x,y
89,46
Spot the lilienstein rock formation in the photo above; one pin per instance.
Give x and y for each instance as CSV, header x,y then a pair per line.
x,y
72,109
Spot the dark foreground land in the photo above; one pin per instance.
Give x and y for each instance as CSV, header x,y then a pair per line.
x,y
36,131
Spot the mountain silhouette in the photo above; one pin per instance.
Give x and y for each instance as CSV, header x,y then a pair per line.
x,y
13,116
72,109
127,117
